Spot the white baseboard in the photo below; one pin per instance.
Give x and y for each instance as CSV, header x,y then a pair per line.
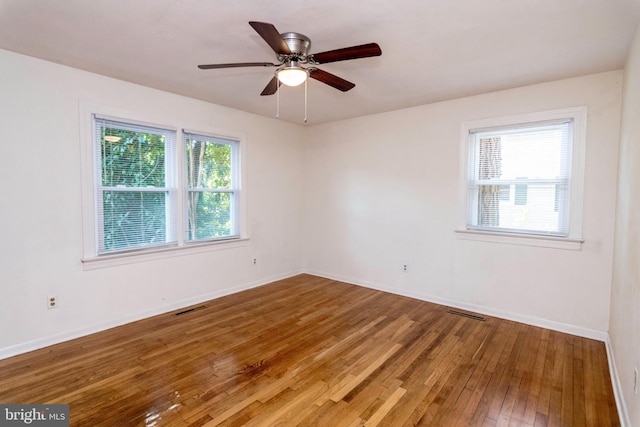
x,y
489,311
36,344
623,414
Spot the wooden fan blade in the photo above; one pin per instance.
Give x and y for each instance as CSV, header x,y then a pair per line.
x,y
237,64
353,52
271,87
269,33
331,79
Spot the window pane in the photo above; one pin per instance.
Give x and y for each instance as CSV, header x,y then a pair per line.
x,y
536,211
208,164
537,153
132,159
133,219
209,214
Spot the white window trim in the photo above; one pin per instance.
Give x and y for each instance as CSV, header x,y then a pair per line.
x,y
123,258
574,239
91,260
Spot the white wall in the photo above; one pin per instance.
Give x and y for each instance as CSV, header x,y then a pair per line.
x,y
381,191
625,298
41,214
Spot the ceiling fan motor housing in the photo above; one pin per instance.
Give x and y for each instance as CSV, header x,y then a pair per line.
x,y
299,45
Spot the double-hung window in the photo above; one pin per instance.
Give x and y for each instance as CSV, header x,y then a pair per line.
x,y
524,175
212,180
150,190
136,191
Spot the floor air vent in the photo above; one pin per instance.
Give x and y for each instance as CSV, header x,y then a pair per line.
x,y
189,310
470,316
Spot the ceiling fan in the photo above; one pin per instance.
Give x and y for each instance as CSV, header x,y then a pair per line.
x,y
292,50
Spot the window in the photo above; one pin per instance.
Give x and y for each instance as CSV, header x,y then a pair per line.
x,y
136,193
151,191
211,165
523,175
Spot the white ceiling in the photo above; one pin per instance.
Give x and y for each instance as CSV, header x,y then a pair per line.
x,y
432,50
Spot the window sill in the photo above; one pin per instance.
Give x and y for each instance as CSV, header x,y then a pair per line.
x,y
113,260
521,239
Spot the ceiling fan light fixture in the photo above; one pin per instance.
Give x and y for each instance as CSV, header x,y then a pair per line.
x,y
292,76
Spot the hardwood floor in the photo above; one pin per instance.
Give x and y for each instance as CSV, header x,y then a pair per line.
x,y
313,352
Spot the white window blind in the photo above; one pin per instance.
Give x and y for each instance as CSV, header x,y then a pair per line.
x,y
136,195
212,187
520,178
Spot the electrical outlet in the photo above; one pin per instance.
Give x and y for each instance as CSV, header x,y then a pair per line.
x,y
405,268
635,380
52,302
255,261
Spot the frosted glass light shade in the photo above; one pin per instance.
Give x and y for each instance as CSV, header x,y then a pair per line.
x,y
292,76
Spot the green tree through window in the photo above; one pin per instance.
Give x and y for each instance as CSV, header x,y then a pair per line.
x,y
210,180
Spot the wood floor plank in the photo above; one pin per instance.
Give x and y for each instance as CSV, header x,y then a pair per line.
x,y
382,411
541,341
310,351
354,380
493,397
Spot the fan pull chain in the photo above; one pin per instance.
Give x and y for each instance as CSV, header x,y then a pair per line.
x,y
278,100
305,100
